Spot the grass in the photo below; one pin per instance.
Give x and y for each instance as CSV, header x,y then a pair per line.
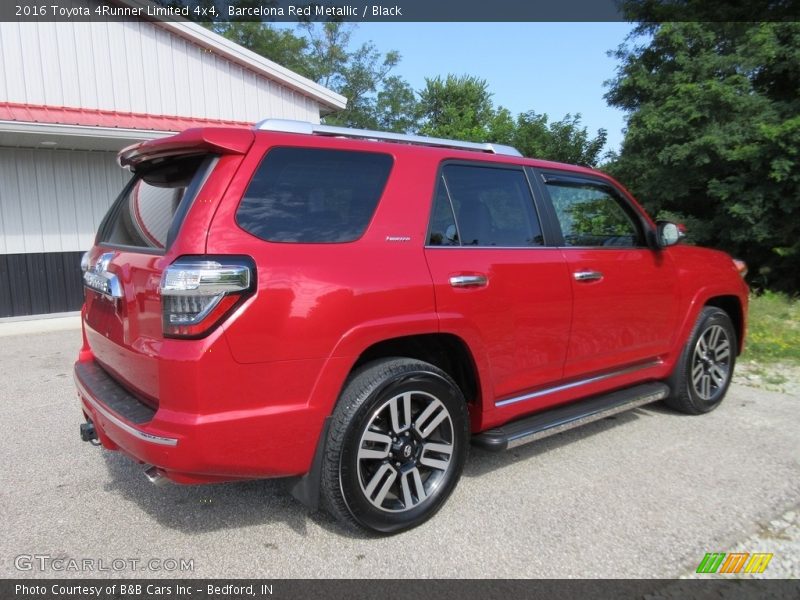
x,y
773,329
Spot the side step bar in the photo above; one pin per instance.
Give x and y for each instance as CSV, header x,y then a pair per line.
x,y
542,425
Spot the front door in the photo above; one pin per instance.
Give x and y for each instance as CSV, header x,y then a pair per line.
x,y
624,291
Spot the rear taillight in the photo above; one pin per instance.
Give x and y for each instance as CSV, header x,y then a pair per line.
x,y
197,293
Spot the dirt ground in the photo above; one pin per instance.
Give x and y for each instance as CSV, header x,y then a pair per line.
x,y
777,377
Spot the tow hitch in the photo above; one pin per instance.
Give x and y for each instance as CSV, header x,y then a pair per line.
x,y
88,433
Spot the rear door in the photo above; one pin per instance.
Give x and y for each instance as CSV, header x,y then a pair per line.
x,y
625,292
497,284
135,242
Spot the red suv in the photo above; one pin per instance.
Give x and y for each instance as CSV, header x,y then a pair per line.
x,y
351,308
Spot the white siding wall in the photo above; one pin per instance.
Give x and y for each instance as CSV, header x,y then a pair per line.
x,y
135,67
54,200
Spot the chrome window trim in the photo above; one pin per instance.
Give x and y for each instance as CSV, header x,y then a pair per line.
x,y
540,247
574,384
603,247
492,247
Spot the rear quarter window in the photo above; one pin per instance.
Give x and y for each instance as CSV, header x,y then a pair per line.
x,y
310,195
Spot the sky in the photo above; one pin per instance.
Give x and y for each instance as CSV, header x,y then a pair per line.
x,y
552,68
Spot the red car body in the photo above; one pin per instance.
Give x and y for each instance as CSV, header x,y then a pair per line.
x,y
250,397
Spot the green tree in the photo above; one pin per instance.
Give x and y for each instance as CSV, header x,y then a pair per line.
x,y
279,45
325,53
564,141
396,106
462,108
457,107
713,134
360,74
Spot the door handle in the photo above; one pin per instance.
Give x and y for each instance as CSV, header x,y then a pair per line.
x,y
467,281
587,275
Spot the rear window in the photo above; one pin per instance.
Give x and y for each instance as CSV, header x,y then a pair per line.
x,y
149,211
313,195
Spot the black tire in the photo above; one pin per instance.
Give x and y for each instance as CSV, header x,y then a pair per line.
x,y
704,370
373,417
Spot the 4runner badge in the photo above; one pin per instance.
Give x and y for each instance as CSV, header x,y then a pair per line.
x,y
98,278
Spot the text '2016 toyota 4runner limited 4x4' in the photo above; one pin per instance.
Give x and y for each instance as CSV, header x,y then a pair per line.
x,y
352,308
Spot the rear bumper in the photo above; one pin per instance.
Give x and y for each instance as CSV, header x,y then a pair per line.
x,y
114,407
199,448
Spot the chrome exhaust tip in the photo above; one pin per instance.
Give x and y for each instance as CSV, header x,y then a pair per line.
x,y
155,476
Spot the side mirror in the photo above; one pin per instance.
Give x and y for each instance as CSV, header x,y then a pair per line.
x,y
668,234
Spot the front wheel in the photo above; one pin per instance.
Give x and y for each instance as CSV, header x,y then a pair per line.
x,y
705,368
396,446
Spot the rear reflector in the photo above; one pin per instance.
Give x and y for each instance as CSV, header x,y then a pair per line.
x,y
197,293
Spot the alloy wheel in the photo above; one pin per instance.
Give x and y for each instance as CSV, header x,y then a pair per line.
x,y
711,363
405,451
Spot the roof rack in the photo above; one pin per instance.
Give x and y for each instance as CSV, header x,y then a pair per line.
x,y
304,127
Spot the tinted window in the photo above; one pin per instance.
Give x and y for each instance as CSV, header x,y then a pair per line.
x,y
443,222
313,195
144,214
493,206
591,215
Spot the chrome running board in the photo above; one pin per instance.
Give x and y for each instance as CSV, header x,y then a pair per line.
x,y
562,418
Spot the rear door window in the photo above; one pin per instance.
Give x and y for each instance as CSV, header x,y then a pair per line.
x,y
312,195
484,206
150,209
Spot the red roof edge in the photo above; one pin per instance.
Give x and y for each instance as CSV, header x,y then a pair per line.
x,y
91,117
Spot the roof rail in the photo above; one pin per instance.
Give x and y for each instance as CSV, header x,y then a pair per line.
x,y
304,127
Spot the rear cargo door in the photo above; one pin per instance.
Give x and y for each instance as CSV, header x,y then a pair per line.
x,y
138,238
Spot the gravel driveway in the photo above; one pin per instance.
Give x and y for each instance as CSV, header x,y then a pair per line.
x,y
642,494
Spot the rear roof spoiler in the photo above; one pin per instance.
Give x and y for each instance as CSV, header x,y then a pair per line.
x,y
223,140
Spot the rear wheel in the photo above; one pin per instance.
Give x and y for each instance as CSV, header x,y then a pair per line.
x,y
705,368
396,446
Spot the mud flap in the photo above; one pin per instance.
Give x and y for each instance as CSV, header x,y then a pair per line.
x,y
306,488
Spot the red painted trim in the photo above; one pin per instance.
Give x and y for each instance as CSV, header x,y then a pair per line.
x,y
90,117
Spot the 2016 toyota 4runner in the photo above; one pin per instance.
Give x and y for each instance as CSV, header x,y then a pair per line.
x,y
353,308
